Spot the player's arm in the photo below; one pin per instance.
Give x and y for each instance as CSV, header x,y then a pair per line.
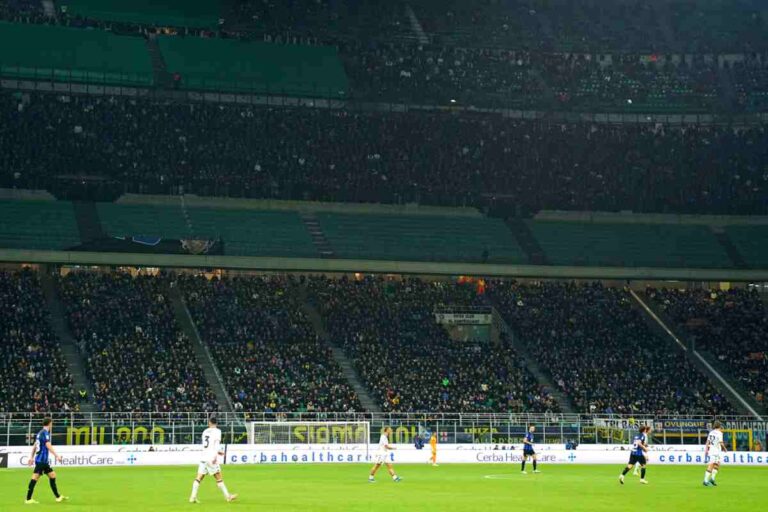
x,y
32,455
706,447
53,452
526,441
723,447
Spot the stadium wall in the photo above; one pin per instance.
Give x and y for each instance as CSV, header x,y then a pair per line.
x,y
183,455
24,256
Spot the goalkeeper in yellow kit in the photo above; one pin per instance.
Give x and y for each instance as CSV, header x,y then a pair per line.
x,y
433,445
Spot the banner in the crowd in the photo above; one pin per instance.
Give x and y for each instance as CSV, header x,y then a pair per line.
x,y
692,425
180,455
464,318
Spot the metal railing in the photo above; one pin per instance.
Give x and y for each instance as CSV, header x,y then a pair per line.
x,y
131,428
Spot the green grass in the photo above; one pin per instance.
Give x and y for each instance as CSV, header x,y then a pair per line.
x,y
446,488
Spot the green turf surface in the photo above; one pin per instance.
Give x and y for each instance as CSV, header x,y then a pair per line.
x,y
446,488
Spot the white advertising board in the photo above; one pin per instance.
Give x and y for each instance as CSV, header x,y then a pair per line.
x,y
179,455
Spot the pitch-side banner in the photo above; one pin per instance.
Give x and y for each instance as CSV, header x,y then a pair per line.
x,y
180,455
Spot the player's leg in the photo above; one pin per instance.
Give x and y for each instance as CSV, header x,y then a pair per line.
x,y
374,469
391,471
196,486
434,457
522,466
713,472
535,462
54,488
627,468
642,473
708,473
636,470
223,488
31,486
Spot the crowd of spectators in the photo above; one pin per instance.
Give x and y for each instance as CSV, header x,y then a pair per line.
x,y
265,347
23,11
33,373
631,83
732,325
137,357
600,352
339,155
408,361
428,74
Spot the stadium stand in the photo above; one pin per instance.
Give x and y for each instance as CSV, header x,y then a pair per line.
x,y
66,54
243,232
420,238
632,245
408,361
33,373
732,325
166,13
137,357
600,352
37,225
429,158
265,347
230,65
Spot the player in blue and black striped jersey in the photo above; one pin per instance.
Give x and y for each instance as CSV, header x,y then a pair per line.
x,y
528,450
638,454
40,458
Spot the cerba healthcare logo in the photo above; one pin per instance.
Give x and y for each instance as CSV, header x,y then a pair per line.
x,y
304,457
131,459
736,458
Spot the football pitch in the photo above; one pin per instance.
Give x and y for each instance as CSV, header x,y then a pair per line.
x,y
345,488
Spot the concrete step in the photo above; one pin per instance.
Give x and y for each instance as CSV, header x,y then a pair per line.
x,y
76,363
202,354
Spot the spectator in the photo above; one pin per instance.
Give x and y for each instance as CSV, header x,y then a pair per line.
x,y
137,357
600,352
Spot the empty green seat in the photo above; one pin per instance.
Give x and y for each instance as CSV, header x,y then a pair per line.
x,y
230,65
38,225
420,238
633,245
244,232
71,54
752,244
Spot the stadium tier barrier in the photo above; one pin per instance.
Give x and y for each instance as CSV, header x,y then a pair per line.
x,y
183,455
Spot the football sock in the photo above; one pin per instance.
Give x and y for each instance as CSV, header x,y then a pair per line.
x,y
394,476
714,474
31,489
642,473
522,468
626,470
195,487
53,487
707,474
223,488
534,465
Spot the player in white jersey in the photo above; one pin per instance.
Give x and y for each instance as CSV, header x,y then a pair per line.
x,y
382,456
714,448
212,456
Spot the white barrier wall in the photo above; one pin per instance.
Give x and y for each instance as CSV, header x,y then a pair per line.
x,y
178,455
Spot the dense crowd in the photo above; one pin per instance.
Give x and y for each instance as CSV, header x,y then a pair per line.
x,y
688,26
265,347
430,158
137,357
23,11
408,361
730,324
600,352
33,373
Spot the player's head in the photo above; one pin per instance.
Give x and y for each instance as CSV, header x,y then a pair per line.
x,y
212,422
532,428
388,431
434,435
717,425
47,422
